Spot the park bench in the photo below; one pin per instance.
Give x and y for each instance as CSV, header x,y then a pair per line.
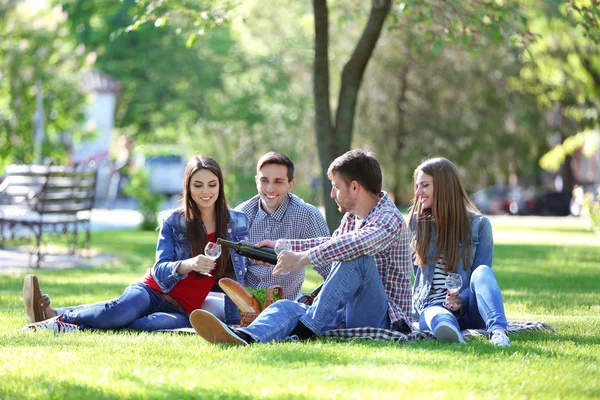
x,y
38,199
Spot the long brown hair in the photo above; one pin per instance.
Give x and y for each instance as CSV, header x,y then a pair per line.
x,y
450,214
196,233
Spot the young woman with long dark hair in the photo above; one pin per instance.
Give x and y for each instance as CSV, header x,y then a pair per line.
x,y
180,279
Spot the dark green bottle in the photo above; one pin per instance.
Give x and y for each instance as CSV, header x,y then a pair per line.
x,y
246,249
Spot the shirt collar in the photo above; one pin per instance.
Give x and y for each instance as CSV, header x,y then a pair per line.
x,y
279,213
383,198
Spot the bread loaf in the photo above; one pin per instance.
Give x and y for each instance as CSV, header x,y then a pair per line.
x,y
239,295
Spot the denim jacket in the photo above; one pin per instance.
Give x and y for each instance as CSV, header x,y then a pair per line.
x,y
172,248
483,248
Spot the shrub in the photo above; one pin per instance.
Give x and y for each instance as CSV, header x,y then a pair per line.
x,y
591,209
148,202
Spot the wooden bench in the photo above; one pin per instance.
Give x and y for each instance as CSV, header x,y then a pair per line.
x,y
42,199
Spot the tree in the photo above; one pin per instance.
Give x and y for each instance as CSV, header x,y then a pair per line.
x,y
563,72
36,48
465,21
415,104
440,22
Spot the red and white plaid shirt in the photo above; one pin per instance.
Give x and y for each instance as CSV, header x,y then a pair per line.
x,y
384,235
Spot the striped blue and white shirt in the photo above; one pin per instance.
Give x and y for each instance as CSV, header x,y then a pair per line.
x,y
438,285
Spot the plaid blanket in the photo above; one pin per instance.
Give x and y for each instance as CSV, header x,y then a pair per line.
x,y
386,334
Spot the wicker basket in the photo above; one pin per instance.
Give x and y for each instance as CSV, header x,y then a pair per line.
x,y
248,317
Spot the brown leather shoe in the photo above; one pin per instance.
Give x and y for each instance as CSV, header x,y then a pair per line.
x,y
211,329
33,300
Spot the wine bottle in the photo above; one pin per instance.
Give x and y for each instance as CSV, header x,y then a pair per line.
x,y
246,249
309,298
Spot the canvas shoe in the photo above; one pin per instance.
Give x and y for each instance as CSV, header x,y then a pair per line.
x,y
55,324
213,330
448,333
34,300
499,338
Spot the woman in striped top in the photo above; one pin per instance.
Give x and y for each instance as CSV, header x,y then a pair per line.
x,y
449,235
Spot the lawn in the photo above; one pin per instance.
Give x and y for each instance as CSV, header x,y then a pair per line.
x,y
548,269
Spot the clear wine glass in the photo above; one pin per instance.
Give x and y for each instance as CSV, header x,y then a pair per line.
x,y
212,250
453,282
282,245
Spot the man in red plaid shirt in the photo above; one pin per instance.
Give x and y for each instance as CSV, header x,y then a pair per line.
x,y
369,283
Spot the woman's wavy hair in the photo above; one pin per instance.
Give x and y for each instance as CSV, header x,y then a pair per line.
x,y
196,233
451,214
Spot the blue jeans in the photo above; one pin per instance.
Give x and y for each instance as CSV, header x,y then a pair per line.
x,y
352,296
485,309
139,308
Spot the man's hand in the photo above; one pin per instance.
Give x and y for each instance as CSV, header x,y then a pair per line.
x,y
288,261
263,243
453,301
266,243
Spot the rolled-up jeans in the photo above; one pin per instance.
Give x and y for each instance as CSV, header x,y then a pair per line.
x,y
139,308
485,308
353,296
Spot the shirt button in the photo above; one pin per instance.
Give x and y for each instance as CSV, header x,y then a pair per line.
x,y
246,238
229,230
237,258
181,236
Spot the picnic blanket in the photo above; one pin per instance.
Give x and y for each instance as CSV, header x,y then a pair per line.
x,y
399,337
387,334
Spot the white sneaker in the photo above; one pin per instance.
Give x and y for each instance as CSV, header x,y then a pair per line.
x,y
53,324
499,338
448,333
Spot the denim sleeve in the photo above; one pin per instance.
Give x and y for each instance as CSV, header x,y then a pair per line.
x,y
483,256
164,270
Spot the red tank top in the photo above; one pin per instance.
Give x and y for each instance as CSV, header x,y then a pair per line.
x,y
191,291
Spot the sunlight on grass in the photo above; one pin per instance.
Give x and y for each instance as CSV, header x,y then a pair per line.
x,y
545,276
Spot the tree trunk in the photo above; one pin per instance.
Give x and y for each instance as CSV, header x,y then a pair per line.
x,y
333,141
568,178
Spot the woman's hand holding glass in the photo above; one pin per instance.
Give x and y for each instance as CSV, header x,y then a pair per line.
x,y
204,264
453,284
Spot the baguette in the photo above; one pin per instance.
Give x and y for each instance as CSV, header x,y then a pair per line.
x,y
239,295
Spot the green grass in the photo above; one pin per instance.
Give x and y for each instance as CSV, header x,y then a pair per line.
x,y
548,272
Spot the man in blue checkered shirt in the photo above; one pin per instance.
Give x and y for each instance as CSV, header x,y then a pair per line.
x,y
369,284
275,213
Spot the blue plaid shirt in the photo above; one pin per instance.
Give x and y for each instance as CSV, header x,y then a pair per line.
x,y
294,219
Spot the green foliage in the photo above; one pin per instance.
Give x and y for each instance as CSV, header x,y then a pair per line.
x,y
470,24
148,202
37,46
563,72
591,209
416,104
261,295
588,140
587,14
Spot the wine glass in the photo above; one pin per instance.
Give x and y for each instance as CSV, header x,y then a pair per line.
x,y
453,282
282,245
212,251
